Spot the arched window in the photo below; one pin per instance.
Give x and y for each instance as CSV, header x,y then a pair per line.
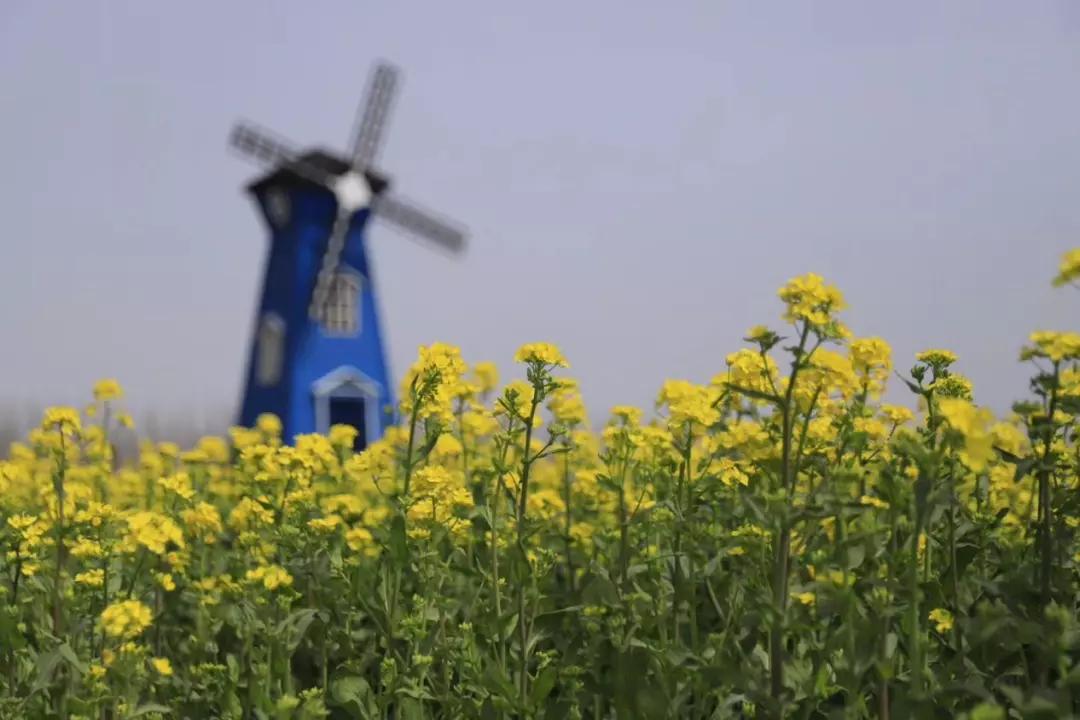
x,y
341,314
270,353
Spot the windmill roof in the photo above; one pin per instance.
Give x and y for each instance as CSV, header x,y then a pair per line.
x,y
324,160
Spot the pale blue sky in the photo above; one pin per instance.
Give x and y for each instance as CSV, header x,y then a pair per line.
x,y
638,179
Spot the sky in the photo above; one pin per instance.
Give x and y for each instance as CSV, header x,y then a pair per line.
x,y
637,180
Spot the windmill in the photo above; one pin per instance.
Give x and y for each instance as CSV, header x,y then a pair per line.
x,y
317,355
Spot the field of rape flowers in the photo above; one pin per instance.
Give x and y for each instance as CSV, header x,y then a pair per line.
x,y
776,543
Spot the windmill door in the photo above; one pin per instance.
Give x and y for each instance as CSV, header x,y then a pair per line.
x,y
352,411
346,396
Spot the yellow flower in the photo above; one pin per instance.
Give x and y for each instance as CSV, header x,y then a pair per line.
x,y
91,578
1056,346
478,423
85,548
629,414
953,386
487,376
731,474
749,370
837,578
806,598
362,541
809,298
162,666
567,406
750,530
1069,270
1011,439
244,437
830,371
249,513
758,333
178,483
871,501
165,580
270,576
942,619
325,525
517,397
153,531
447,446
689,403
542,353
874,428
269,425
202,521
428,387
125,619
342,435
973,425
871,354
64,419
936,357
108,389
897,414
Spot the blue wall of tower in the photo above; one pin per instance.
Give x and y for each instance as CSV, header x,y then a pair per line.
x,y
309,353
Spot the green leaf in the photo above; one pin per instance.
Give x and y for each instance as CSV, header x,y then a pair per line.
x,y
755,394
509,626
1040,707
150,708
411,709
72,659
353,693
46,665
855,556
911,386
399,546
415,692
295,626
1023,468
517,566
497,683
543,685
890,644
234,668
1069,403
600,591
484,513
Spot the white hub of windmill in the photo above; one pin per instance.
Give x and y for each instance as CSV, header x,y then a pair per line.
x,y
351,190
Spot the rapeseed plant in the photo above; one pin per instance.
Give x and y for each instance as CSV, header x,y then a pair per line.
x,y
776,542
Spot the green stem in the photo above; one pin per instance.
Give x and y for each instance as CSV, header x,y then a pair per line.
x,y
915,640
781,558
1046,539
523,496
395,594
568,524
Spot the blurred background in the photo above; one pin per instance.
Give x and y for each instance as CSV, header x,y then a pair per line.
x,y
637,181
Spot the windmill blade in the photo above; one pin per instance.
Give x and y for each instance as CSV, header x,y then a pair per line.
x,y
334,245
367,136
266,148
418,222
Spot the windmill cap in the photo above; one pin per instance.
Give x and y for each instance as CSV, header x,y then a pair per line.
x,y
332,164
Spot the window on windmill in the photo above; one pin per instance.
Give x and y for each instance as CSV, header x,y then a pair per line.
x,y
271,350
341,315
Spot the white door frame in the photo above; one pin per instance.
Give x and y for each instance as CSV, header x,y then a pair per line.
x,y
347,382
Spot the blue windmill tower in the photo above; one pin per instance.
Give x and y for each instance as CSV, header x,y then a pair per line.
x,y
317,356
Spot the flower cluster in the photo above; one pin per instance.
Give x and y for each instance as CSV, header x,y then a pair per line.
x,y
775,538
